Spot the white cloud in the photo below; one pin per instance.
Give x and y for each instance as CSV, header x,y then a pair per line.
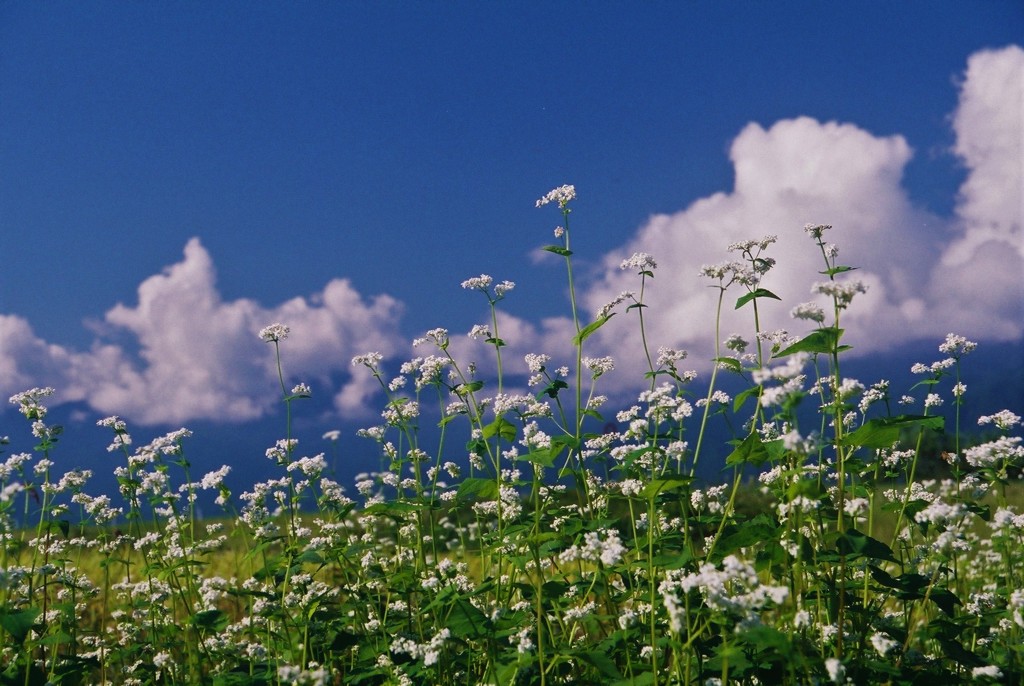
x,y
200,356
25,359
921,285
981,273
989,125
182,352
795,172
332,327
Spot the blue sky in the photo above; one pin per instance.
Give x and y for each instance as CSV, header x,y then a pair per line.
x,y
173,177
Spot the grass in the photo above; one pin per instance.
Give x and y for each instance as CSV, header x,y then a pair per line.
x,y
547,550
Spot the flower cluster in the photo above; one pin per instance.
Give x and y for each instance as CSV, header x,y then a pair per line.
x,y
562,195
544,536
274,333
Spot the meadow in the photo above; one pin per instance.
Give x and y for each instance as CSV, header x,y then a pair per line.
x,y
548,549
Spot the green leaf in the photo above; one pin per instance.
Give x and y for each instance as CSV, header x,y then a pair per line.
x,y
909,585
729,654
983,511
590,328
885,431
745,535
546,458
471,387
466,621
672,558
448,418
751,451
240,676
769,642
945,599
669,482
19,622
558,250
504,674
62,525
500,427
74,669
824,340
24,675
641,679
563,441
601,662
542,457
476,446
554,387
858,544
478,489
837,270
741,397
757,293
215,620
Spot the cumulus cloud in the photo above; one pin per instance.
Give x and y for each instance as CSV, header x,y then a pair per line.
x,y
25,358
981,273
199,356
926,275
795,172
183,352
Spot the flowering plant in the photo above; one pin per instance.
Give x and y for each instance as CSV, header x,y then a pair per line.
x,y
559,546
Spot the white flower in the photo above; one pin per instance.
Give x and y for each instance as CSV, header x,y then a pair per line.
x,y
733,589
274,332
841,292
669,356
438,337
480,332
29,402
599,365
815,230
809,311
522,640
482,282
1004,420
882,643
836,670
609,549
562,195
730,272
956,346
1003,449
1017,605
750,244
535,363
639,262
989,671
504,287
215,479
607,308
370,360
